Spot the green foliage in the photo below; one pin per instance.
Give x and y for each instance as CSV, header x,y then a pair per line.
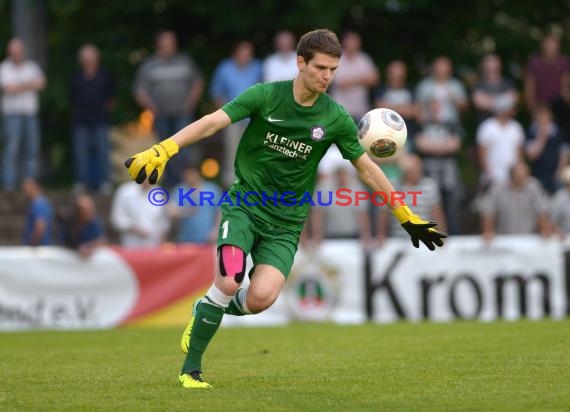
x,y
4,22
412,30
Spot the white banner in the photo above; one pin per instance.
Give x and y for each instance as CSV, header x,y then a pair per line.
x,y
327,283
513,277
50,287
53,288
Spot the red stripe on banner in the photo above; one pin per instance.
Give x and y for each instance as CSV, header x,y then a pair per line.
x,y
168,274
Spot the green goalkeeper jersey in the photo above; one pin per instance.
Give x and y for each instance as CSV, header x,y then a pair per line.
x,y
278,155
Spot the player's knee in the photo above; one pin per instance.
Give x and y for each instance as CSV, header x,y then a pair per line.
x,y
259,300
226,285
231,261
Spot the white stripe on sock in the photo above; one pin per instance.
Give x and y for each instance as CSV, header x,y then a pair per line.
x,y
216,297
241,298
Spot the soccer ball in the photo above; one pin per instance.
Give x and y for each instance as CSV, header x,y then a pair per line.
x,y
382,132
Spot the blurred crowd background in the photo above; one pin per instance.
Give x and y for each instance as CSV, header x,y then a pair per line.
x,y
484,90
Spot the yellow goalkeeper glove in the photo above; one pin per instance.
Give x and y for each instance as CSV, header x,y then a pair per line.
x,y
151,162
418,228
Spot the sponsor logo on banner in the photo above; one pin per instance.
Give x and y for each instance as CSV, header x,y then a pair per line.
x,y
313,290
327,283
515,277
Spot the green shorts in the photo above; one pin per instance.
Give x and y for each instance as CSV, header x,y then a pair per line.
x,y
268,243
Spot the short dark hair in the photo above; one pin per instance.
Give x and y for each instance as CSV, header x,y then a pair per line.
x,y
318,41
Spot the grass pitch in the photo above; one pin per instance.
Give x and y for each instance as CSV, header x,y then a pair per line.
x,y
522,366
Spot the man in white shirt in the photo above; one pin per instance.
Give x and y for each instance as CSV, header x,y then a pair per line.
x,y
281,65
139,222
20,81
500,142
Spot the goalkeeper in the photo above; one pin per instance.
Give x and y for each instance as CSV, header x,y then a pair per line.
x,y
292,125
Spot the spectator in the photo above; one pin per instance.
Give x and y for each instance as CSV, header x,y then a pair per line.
x,y
140,223
439,143
82,230
281,65
330,162
518,206
396,95
20,81
169,84
545,73
427,202
231,77
355,76
493,90
445,89
546,149
39,219
340,222
92,97
196,224
561,109
560,211
500,142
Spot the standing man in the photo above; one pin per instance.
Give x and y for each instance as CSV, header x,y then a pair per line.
x,y
92,97
357,75
232,77
169,84
20,81
281,65
545,73
293,123
493,89
446,90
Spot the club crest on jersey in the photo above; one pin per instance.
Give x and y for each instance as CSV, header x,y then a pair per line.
x,y
318,133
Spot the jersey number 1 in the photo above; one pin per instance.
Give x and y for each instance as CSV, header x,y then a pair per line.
x,y
225,229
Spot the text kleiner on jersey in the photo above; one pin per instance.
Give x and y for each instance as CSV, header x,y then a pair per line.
x,y
283,144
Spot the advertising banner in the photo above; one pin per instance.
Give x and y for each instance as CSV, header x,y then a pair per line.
x,y
513,277
54,288
510,278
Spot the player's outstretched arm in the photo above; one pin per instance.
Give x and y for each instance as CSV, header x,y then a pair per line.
x,y
418,228
151,162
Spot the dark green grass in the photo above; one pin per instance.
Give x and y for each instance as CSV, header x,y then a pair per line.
x,y
522,366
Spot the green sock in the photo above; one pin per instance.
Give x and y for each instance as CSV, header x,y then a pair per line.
x,y
236,307
206,323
